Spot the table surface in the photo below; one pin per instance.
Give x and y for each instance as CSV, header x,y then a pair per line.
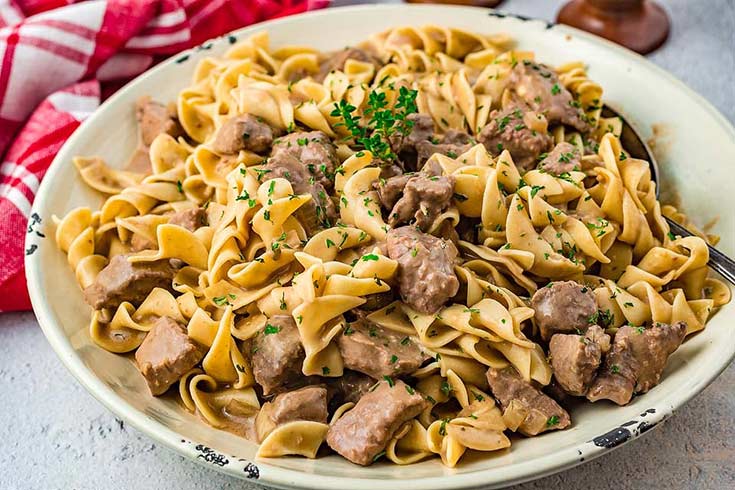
x,y
55,435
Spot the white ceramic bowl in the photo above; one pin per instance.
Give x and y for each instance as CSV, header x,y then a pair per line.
x,y
697,156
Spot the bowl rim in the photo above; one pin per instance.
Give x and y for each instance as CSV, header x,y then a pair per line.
x,y
274,476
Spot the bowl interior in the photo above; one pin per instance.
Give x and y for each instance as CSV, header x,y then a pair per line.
x,y
696,148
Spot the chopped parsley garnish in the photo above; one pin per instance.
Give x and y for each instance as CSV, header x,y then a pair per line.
x,y
283,301
614,369
325,370
179,186
261,172
393,359
271,329
446,388
555,90
553,420
389,380
222,300
367,257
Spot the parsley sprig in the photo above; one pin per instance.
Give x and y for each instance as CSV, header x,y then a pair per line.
x,y
384,121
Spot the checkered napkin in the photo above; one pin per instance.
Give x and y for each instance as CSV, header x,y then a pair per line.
x,y
58,59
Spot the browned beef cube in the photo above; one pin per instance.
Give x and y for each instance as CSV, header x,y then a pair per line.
x,y
278,354
423,199
540,413
122,280
539,87
391,189
564,158
452,144
636,361
563,307
246,132
318,213
191,219
575,358
422,130
336,61
166,354
426,278
315,151
362,433
370,349
308,403
349,387
508,131
154,119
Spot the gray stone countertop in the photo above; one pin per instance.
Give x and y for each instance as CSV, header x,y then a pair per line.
x,y
54,435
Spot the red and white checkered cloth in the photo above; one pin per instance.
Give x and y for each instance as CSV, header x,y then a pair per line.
x,y
58,59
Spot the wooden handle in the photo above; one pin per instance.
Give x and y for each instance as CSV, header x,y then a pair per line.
x,y
640,25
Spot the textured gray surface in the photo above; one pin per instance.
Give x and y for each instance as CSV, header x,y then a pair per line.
x,y
56,436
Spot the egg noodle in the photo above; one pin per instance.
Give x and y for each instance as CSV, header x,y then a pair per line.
x,y
599,224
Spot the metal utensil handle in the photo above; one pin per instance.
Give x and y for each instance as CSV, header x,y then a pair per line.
x,y
717,260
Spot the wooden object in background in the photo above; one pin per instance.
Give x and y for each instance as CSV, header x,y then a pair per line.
x,y
475,3
641,25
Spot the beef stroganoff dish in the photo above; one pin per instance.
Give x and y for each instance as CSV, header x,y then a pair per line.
x,y
410,248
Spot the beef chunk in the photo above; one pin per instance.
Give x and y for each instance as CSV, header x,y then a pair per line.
x,y
421,143
123,281
562,159
336,61
349,387
166,354
315,214
575,358
426,278
422,131
308,403
452,144
507,130
539,87
315,151
363,432
563,307
636,361
191,219
246,132
539,412
154,119
423,198
277,354
391,189
377,352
